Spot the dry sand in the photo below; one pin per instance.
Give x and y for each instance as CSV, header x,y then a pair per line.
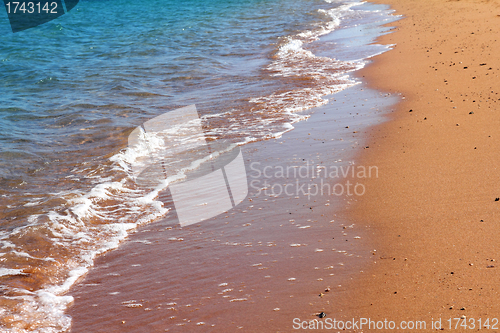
x,y
432,213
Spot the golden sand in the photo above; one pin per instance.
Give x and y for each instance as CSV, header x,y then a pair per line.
x,y
432,212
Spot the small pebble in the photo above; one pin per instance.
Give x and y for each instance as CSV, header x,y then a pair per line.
x,y
322,315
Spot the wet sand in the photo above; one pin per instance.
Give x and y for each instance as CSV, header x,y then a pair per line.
x,y
433,213
255,269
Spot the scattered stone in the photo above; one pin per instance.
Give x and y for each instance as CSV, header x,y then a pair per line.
x,y
490,266
411,110
482,221
462,309
322,315
472,112
497,199
327,289
321,295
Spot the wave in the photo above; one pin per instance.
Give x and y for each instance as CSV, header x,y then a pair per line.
x,y
55,249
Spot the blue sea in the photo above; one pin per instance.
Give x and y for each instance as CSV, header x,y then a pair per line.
x,y
73,89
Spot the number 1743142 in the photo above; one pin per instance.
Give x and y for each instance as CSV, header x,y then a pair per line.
x,y
31,7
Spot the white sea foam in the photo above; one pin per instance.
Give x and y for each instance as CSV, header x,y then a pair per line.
x,y
327,75
10,271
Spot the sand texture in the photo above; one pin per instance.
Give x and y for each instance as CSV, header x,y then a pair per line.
x,y
433,213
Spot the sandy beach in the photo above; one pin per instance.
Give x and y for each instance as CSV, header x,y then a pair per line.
x,y
428,222
284,253
433,212
376,210
421,243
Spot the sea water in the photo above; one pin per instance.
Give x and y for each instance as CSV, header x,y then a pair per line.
x,y
73,89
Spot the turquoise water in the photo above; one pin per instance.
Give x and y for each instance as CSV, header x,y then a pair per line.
x,y
73,89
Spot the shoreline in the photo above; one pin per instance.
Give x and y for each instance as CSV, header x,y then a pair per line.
x,y
274,254
432,214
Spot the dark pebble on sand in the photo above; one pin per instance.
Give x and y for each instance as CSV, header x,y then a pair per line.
x,y
322,315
